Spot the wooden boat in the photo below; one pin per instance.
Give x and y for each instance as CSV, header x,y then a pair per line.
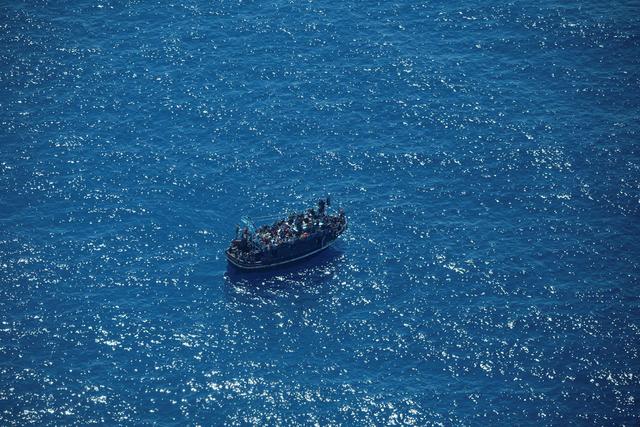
x,y
286,240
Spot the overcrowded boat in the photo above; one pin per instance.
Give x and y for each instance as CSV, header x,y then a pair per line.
x,y
286,240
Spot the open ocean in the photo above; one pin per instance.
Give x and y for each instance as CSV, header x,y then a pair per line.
x,y
487,156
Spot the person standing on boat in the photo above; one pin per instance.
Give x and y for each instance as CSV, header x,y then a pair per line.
x,y
321,207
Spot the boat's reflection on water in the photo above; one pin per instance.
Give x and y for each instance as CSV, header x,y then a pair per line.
x,y
309,271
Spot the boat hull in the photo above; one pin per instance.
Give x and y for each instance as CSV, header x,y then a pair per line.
x,y
259,265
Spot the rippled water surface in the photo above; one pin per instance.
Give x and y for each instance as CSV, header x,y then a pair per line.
x,y
486,154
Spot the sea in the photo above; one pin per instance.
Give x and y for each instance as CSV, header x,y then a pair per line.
x,y
486,155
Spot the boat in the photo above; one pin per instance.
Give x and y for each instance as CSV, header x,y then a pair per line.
x,y
286,240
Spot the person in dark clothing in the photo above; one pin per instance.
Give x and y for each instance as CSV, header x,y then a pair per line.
x,y
298,224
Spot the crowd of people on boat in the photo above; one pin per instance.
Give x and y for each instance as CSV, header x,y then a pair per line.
x,y
296,226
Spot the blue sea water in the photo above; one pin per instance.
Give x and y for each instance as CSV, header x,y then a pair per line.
x,y
486,154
